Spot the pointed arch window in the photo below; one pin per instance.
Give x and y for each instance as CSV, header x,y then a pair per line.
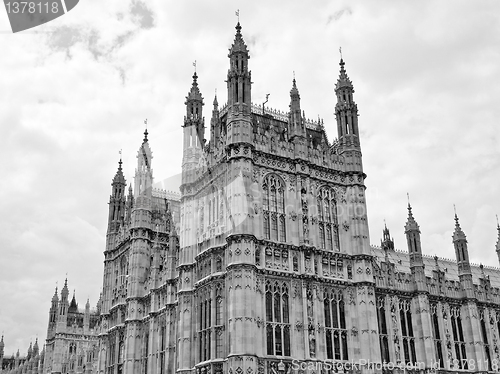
x,y
458,337
328,220
277,319
273,206
205,325
335,326
382,329
405,317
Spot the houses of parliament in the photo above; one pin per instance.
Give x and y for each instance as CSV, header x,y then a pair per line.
x,y
263,264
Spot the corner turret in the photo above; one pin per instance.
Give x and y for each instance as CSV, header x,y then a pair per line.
x,y
462,256
412,232
297,127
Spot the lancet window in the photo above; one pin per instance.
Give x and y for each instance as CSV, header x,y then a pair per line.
x,y
274,208
328,220
277,319
335,326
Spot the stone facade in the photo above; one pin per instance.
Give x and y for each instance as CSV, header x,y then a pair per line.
x,y
71,345
269,267
32,363
263,265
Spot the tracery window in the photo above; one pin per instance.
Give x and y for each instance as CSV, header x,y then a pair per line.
x,y
382,329
163,338
328,220
145,352
274,208
335,327
277,319
205,324
458,337
219,323
213,206
407,331
486,344
438,343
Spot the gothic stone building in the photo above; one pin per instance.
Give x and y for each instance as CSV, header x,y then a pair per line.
x,y
71,345
265,263
32,363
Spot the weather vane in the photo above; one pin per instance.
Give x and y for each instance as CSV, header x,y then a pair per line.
x,y
340,51
194,64
146,123
238,15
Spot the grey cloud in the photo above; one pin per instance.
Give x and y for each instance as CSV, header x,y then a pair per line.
x,y
339,14
142,14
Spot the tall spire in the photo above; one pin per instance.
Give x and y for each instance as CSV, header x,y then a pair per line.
x,y
64,291
458,234
194,92
119,178
297,127
346,111
461,251
239,77
343,79
386,243
55,299
238,44
411,224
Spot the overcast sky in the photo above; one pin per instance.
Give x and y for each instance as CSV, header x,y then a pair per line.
x,y
77,90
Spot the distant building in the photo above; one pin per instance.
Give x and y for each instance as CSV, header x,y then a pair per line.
x,y
71,345
32,363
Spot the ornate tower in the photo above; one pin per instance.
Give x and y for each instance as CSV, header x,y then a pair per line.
x,y
462,255
116,205
297,125
138,257
63,308
346,112
239,77
194,134
53,316
386,243
412,232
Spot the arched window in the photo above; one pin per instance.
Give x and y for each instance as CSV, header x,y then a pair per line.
x,y
205,325
277,319
213,206
273,205
335,326
328,221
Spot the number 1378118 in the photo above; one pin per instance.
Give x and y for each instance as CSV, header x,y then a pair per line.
x,y
32,7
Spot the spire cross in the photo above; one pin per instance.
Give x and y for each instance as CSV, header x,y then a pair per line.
x,y
237,14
